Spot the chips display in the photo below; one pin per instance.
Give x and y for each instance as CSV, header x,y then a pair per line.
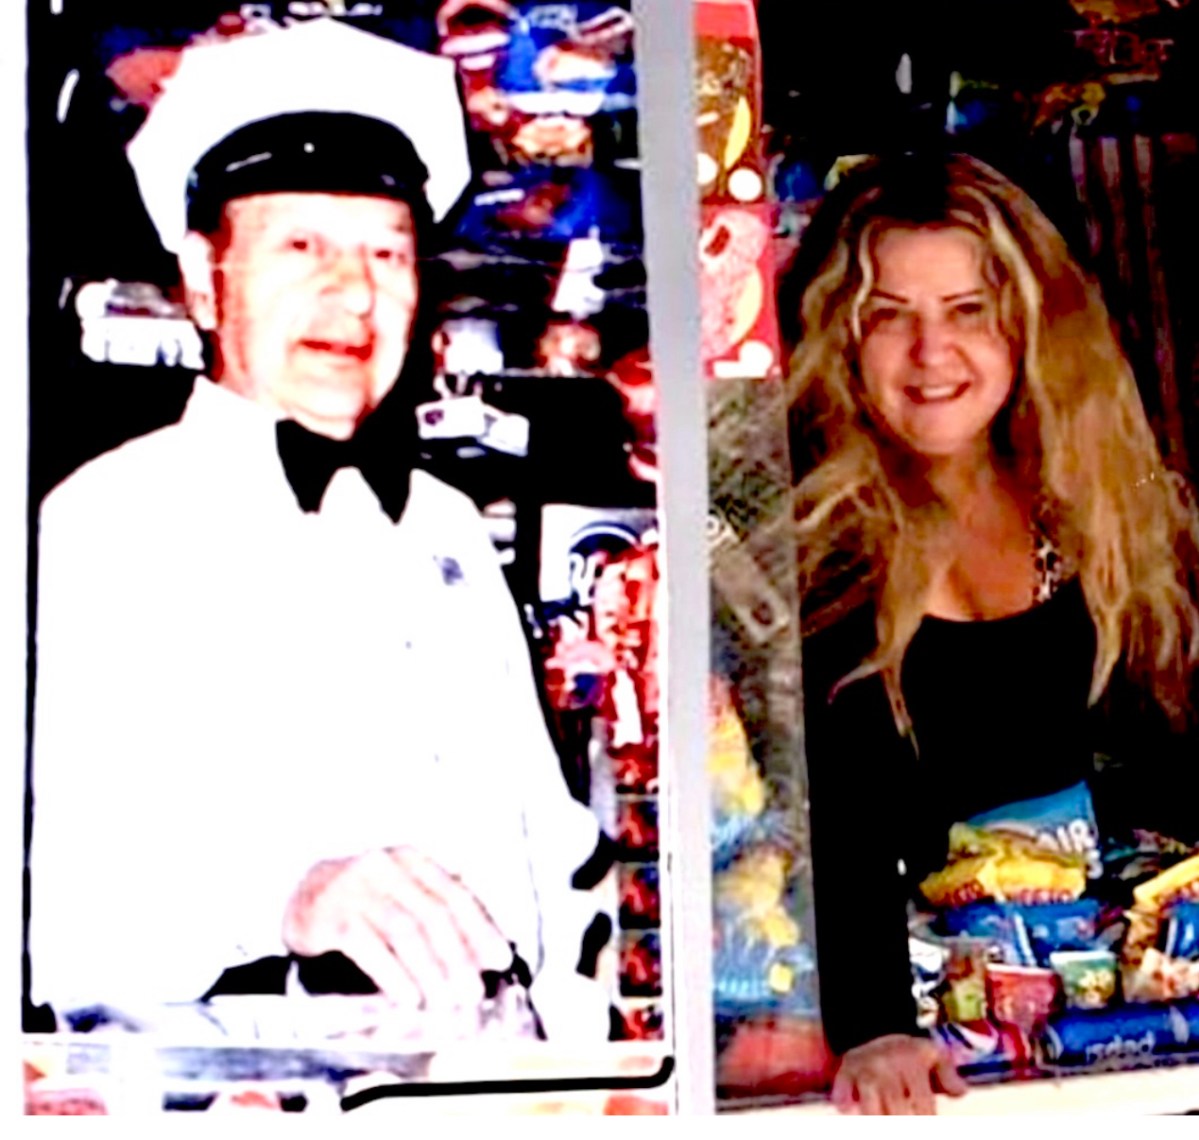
x,y
1094,985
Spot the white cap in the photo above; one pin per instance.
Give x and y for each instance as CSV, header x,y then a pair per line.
x,y
320,65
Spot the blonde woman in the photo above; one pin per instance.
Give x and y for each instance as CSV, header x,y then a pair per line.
x,y
993,557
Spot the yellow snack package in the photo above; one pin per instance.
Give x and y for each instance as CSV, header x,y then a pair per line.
x,y
737,785
961,882
1004,867
1173,885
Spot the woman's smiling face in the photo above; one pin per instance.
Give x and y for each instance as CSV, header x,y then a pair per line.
x,y
936,366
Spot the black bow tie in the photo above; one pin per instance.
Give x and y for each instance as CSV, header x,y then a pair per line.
x,y
310,460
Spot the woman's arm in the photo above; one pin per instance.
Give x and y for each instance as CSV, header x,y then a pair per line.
x,y
860,896
857,764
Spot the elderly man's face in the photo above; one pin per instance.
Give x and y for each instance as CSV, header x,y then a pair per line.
x,y
314,301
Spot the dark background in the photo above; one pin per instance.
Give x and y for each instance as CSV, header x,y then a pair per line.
x,y
1122,188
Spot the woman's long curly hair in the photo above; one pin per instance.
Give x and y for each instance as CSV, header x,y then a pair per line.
x,y
1073,435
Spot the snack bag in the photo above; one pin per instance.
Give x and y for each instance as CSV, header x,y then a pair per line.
x,y
1023,996
741,817
569,59
1157,977
1088,977
728,96
1182,932
1004,867
1063,822
752,893
964,998
1120,1037
760,956
1178,884
1162,962
1027,935
999,924
1144,855
547,206
1148,973
750,976
1062,926
737,784
929,961
985,1047
1141,937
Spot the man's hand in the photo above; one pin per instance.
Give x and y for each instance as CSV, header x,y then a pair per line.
x,y
419,934
895,1075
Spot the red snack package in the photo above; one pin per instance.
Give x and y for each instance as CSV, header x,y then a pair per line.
x,y
1024,996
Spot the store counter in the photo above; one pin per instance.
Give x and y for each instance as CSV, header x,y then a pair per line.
x,y
1151,1092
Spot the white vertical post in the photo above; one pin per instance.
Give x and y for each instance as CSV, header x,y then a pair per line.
x,y
668,146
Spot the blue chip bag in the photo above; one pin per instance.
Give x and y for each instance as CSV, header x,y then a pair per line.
x,y
1120,1036
1027,935
1061,926
1063,821
999,923
1181,938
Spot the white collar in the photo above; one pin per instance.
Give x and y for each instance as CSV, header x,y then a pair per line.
x,y
215,404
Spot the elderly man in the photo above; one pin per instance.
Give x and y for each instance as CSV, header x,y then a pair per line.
x,y
283,702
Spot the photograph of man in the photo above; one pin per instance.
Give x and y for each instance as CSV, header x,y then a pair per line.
x,y
284,708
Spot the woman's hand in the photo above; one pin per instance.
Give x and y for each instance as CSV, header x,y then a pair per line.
x,y
895,1075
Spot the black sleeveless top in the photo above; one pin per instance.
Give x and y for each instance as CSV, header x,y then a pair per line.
x,y
999,712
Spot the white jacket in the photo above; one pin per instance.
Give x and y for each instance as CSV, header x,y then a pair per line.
x,y
230,690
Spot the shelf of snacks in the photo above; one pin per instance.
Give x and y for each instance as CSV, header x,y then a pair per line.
x,y
1045,956
1033,975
